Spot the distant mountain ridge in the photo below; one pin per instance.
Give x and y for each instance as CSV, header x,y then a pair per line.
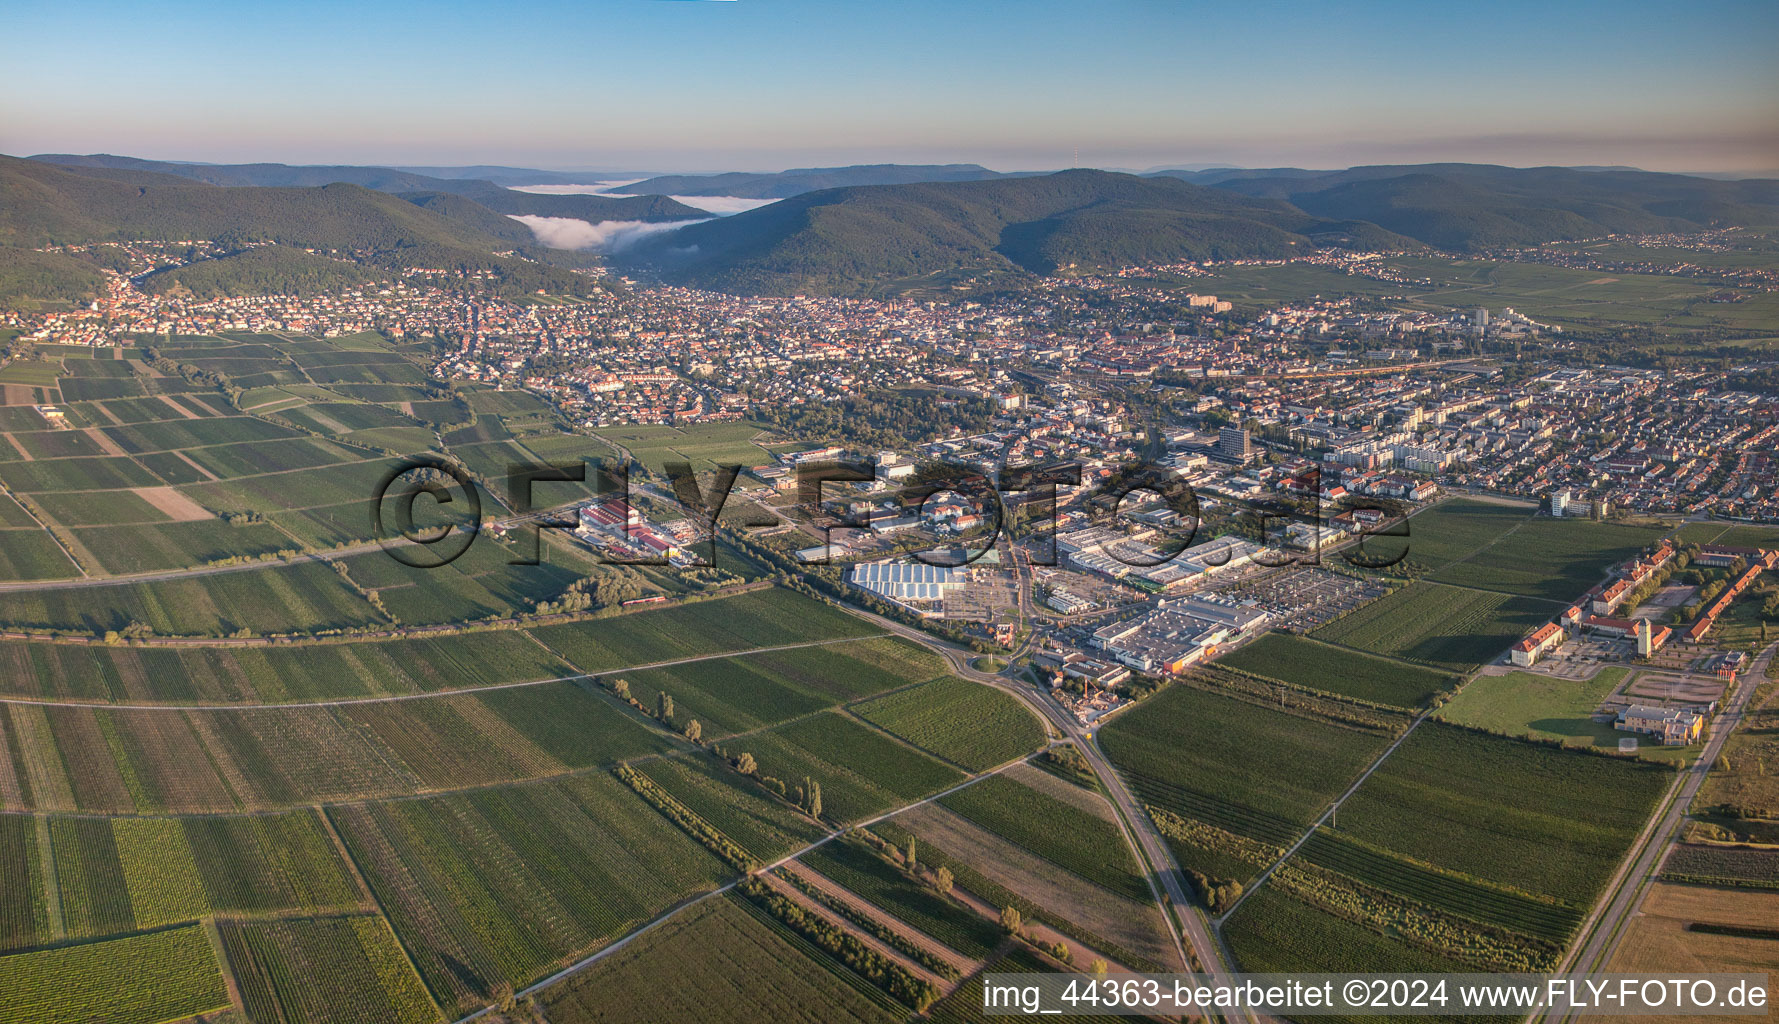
x,y
798,180
861,238
406,183
42,205
853,240
262,175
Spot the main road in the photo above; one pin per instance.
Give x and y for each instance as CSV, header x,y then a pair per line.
x,y
1205,948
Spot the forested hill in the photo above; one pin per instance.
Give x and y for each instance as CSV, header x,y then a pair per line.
x,y
784,184
47,205
43,205
1463,207
855,240
419,188
858,240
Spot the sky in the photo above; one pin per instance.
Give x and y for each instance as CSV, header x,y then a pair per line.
x,y
707,85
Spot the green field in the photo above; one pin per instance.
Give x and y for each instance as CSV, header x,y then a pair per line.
x,y
727,965
704,445
1277,932
1303,662
1085,844
1532,817
1254,772
764,826
335,970
861,871
506,885
1541,707
272,674
1458,528
966,723
216,760
1553,559
861,772
751,691
142,979
1445,627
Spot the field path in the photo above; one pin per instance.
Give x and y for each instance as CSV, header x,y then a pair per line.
x,y
176,407
20,448
105,443
820,881
187,459
177,506
895,955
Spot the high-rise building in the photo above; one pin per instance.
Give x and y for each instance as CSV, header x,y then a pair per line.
x,y
1235,444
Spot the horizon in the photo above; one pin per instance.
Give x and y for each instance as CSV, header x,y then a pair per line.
x,y
614,176
703,87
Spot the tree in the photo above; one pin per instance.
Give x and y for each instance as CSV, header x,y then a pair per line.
x,y
621,687
1012,921
942,881
1098,968
664,706
694,730
815,800
909,852
745,764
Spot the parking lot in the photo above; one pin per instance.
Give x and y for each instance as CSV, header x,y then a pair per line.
x,y
1300,599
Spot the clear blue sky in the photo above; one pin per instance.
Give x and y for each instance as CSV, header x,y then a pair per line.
x,y
766,84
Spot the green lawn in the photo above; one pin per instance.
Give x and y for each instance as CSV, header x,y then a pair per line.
x,y
1541,707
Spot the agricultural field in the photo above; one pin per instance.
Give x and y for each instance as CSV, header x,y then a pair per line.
x,y
859,870
162,976
1301,661
1458,529
1448,628
1442,890
1662,937
1532,817
117,875
1242,767
273,675
275,599
966,723
766,617
1123,925
704,445
1551,559
507,885
751,691
1743,866
1578,298
1274,931
1743,779
861,772
87,758
1088,845
331,970
726,963
765,827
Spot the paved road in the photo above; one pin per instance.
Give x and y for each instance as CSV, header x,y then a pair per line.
x,y
1632,883
1187,926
